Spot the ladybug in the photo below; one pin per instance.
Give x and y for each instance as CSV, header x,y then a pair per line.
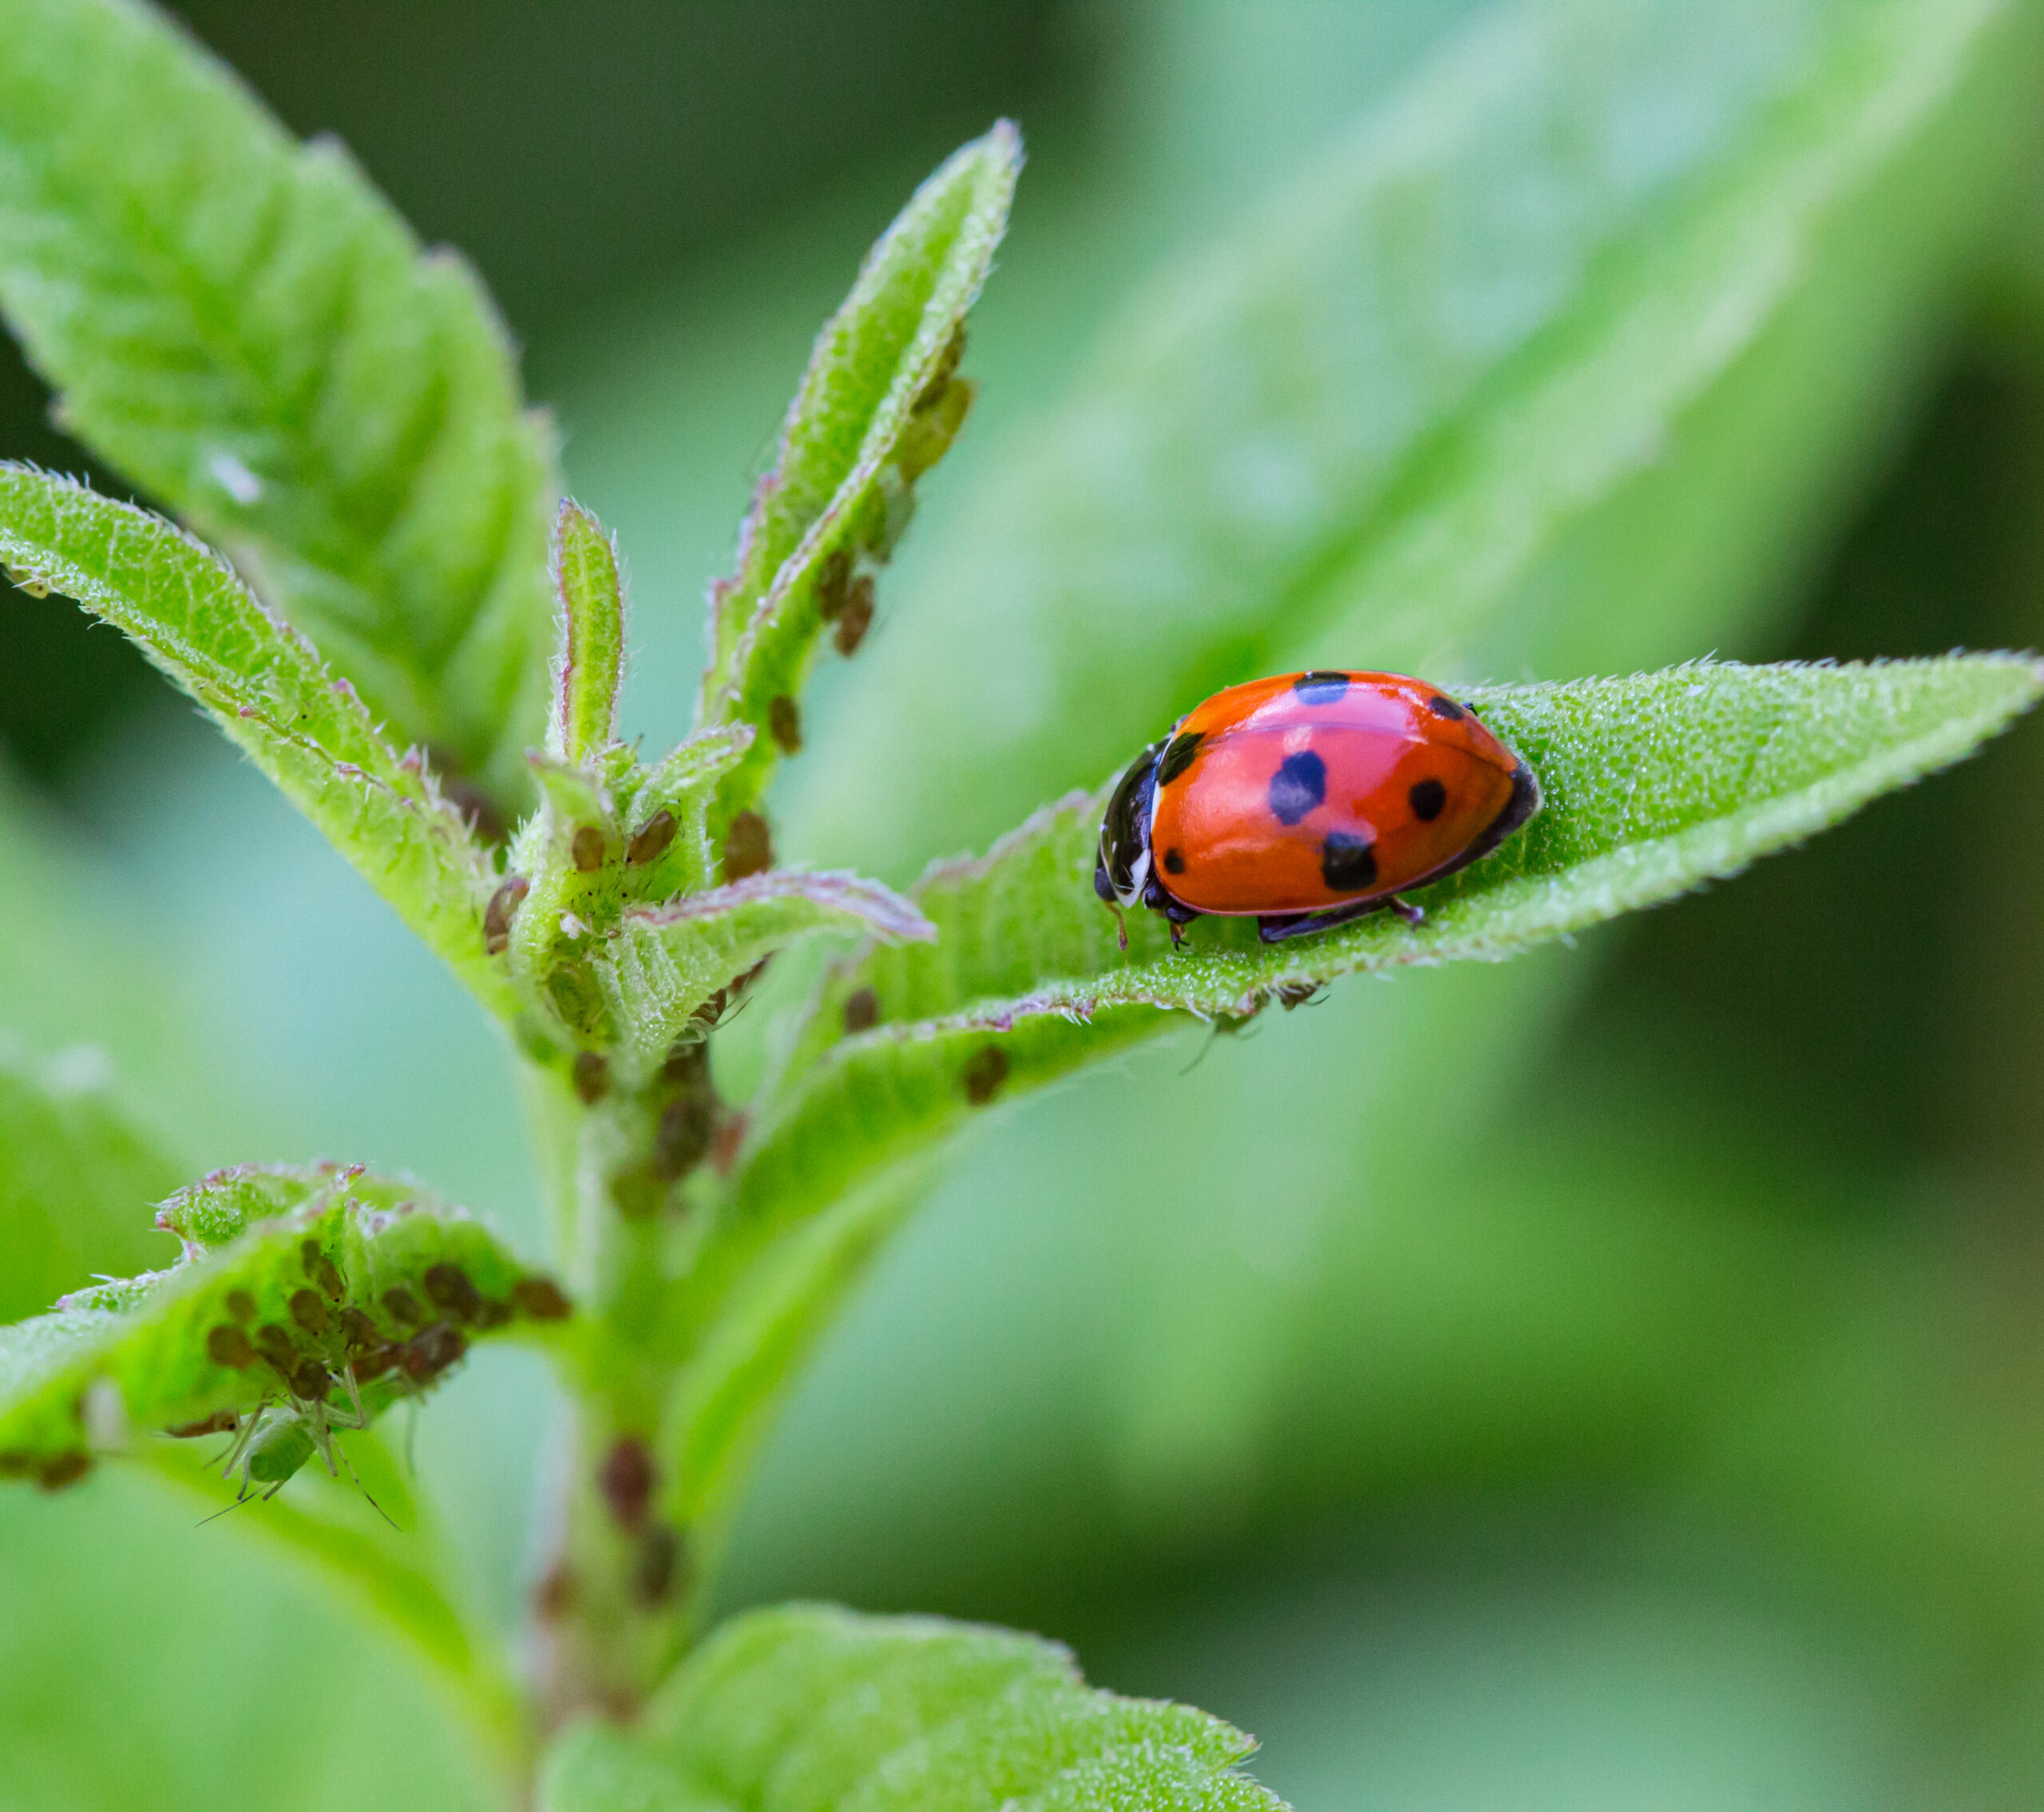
x,y
1307,800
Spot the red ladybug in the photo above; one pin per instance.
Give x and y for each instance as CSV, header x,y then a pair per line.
x,y
1307,800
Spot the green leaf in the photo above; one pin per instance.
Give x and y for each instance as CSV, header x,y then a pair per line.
x,y
242,326
806,1707
296,1285
592,666
878,407
1405,417
77,1175
665,961
1652,786
265,686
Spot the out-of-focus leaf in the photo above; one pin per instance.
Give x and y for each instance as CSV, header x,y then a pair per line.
x,y
295,1284
812,1708
77,1178
877,407
244,326
1361,431
1652,786
266,688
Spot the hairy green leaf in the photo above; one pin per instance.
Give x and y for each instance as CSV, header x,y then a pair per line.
x,y
666,961
77,1175
877,407
296,1285
592,663
1652,786
266,687
1501,324
242,324
806,1707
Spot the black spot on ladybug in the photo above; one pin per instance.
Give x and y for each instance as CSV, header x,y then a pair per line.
x,y
862,1011
1298,786
1173,861
984,1072
1178,755
1428,797
1347,863
1320,688
1446,707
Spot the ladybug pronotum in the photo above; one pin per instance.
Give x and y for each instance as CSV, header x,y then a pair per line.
x,y
1307,800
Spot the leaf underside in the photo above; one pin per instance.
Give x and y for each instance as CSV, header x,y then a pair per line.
x,y
809,1708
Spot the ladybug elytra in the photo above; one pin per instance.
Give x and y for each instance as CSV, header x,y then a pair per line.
x,y
1307,800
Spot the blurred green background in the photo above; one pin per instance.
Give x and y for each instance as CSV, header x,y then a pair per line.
x,y
1613,1380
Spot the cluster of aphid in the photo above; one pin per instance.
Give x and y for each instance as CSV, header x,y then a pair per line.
x,y
333,1345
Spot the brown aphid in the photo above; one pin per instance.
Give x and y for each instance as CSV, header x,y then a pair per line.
x,y
371,1363
587,848
725,1146
66,1468
984,1073
682,1139
220,1422
947,362
832,583
784,724
426,1355
490,1313
748,847
308,1311
310,1381
275,1346
655,1566
862,1011
447,1286
591,1077
688,1063
503,907
16,1465
637,1192
553,1596
229,1346
541,1298
625,1478
649,842
360,1330
241,1306
857,616
402,1307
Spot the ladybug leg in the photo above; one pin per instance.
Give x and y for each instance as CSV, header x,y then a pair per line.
x,y
1403,908
1275,928
1177,916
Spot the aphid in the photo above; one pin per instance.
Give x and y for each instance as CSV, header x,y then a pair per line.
x,y
650,841
309,1311
862,1011
229,1346
275,1346
64,1469
360,1330
587,848
687,1064
592,1076
748,846
832,583
784,724
241,1306
425,1356
220,1422
554,1595
1307,800
447,1286
985,1072
857,617
497,917
625,1478
681,1140
652,1572
541,1298
403,1307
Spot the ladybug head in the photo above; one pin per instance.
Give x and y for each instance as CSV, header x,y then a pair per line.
x,y
1122,873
